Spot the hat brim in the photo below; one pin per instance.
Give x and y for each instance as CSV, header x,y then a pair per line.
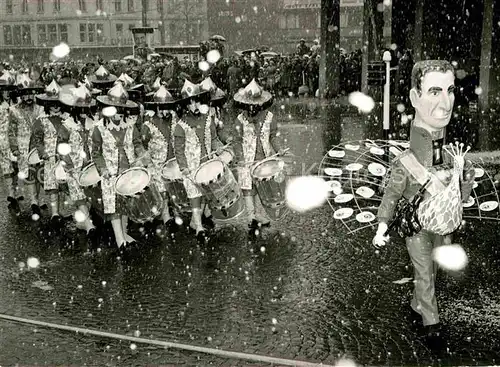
x,y
25,91
106,101
200,97
218,101
111,79
246,106
7,87
45,100
160,104
264,98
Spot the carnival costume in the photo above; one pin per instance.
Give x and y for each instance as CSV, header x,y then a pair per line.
x,y
116,145
159,117
255,140
22,116
8,162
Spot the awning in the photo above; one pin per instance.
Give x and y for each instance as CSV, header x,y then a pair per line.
x,y
316,4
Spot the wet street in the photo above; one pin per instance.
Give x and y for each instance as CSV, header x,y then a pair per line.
x,y
303,290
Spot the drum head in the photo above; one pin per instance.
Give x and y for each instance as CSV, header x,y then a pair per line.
x,y
132,181
89,176
171,170
33,157
209,171
267,169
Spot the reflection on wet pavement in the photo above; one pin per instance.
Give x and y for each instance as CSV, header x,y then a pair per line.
x,y
303,291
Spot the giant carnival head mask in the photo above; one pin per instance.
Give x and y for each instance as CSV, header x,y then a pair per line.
x,y
433,92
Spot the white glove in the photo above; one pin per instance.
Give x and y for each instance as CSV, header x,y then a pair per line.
x,y
380,239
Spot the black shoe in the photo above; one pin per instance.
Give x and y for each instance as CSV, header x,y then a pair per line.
x,y
415,318
44,207
257,225
56,222
171,226
35,209
20,198
13,205
93,237
201,236
207,222
434,338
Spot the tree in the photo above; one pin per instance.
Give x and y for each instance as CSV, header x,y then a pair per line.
x,y
187,10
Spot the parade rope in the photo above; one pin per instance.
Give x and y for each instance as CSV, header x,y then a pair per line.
x,y
192,348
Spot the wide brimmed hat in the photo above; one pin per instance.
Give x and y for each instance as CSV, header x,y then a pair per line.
x,y
137,92
51,95
7,81
253,95
25,86
191,91
77,97
102,77
94,91
217,95
161,99
126,80
117,97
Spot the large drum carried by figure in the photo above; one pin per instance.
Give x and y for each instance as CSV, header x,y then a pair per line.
x,y
223,194
269,179
172,175
33,157
143,202
90,181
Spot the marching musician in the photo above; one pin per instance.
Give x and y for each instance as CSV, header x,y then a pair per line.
x,y
45,133
116,143
9,167
255,138
22,116
157,138
195,140
76,133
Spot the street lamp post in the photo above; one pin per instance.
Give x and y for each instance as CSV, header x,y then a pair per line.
x,y
387,94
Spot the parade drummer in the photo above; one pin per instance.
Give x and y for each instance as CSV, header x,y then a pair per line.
x,y
102,79
8,162
76,134
255,138
116,145
432,96
157,139
45,134
195,141
22,117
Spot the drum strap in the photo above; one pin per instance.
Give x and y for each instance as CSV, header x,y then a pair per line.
x,y
419,172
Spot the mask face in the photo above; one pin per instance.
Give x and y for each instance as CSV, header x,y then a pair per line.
x,y
194,107
117,117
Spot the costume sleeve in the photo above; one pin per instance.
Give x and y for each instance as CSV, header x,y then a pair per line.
x,y
238,141
468,181
393,192
215,143
179,147
12,132
224,134
38,135
145,136
63,135
97,157
273,136
137,141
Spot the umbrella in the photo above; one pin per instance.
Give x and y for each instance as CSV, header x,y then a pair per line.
x,y
269,54
217,37
132,58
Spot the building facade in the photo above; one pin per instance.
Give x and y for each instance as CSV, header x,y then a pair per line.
x,y
92,23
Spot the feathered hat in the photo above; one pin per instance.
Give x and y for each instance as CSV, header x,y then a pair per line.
x,y
117,97
217,95
51,95
253,95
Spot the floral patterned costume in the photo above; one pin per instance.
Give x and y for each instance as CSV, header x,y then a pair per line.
x,y
6,155
254,142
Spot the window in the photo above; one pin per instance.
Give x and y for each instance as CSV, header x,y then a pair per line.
x,y
98,4
91,32
57,5
118,6
40,6
24,6
130,4
100,32
159,4
7,34
119,31
52,33
26,33
82,6
83,33
282,21
42,34
344,20
17,35
8,6
292,21
63,33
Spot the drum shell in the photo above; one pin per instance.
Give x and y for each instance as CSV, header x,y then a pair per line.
x,y
229,214
271,192
178,194
145,206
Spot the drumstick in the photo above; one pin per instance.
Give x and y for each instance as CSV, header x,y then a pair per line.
x,y
271,156
216,151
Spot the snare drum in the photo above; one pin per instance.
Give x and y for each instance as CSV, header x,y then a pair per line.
x,y
33,157
174,184
90,180
220,189
269,179
143,202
